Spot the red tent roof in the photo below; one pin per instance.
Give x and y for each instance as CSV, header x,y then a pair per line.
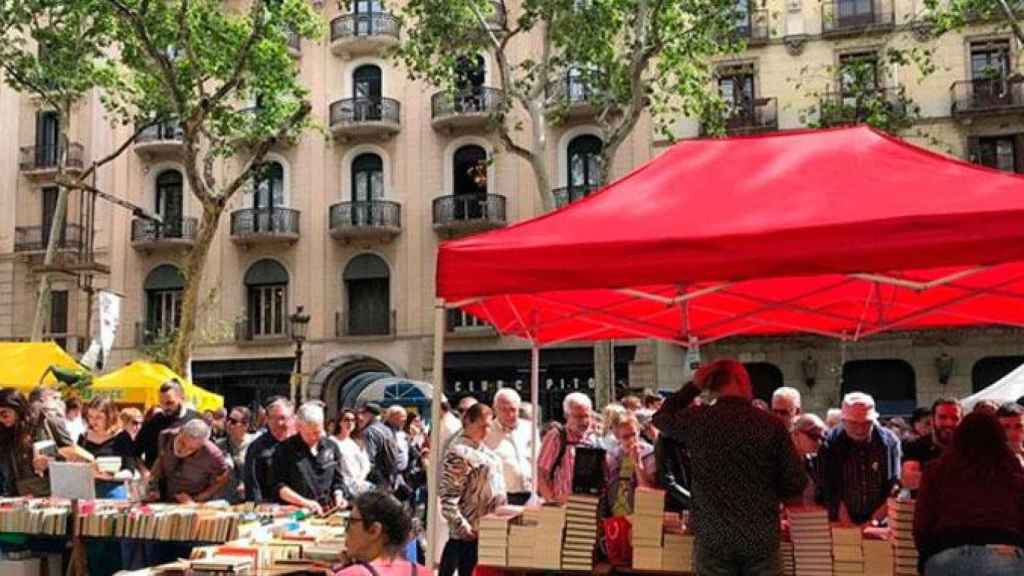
x,y
842,232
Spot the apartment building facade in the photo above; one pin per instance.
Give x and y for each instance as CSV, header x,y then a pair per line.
x,y
346,223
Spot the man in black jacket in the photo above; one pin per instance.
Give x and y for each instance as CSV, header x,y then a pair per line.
x,y
174,415
258,476
673,466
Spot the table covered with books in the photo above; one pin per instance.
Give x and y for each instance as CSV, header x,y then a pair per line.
x,y
517,540
217,539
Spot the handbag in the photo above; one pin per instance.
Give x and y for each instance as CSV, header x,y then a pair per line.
x,y
617,546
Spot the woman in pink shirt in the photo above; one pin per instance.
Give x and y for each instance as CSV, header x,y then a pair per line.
x,y
378,531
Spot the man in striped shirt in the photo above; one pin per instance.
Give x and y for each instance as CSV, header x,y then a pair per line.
x,y
558,450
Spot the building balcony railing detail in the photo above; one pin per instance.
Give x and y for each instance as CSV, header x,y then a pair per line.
x,y
149,235
369,220
839,107
264,225
364,33
753,117
353,117
163,138
28,239
755,28
851,17
469,213
987,96
347,325
40,161
465,108
569,194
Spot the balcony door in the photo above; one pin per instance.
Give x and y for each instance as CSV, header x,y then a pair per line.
x,y
742,12
853,13
266,284
164,287
990,67
584,168
367,187
170,202
470,75
368,287
736,87
858,79
999,152
367,84
268,197
47,138
469,171
364,11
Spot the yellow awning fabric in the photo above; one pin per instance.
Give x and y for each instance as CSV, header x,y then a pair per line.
x,y
23,363
139,383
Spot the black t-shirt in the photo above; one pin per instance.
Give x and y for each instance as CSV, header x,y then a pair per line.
x,y
120,445
315,477
924,450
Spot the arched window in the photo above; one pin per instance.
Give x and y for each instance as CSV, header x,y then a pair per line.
x,y
470,75
170,201
367,178
765,378
892,383
469,178
368,289
584,157
269,187
991,369
266,284
163,286
367,91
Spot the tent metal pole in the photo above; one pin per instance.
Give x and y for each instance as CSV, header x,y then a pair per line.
x,y
535,400
435,432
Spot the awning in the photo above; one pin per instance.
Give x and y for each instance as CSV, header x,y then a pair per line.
x,y
139,383
23,364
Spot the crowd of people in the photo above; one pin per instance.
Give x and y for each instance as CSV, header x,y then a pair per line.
x,y
728,461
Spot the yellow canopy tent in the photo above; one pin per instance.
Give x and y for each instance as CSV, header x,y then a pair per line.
x,y
139,383
23,363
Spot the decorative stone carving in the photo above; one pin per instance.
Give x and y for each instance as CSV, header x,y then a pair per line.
x,y
921,30
795,44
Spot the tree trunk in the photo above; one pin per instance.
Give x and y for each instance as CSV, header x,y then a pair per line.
x,y
194,265
53,243
539,156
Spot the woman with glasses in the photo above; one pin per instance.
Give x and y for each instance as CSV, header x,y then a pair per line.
x,y
355,464
234,445
378,531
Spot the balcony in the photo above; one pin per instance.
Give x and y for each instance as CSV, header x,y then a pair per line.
x,y
852,17
365,117
573,95
367,220
244,333
353,34
755,29
463,324
570,194
41,161
838,108
755,117
160,139
346,326
982,97
148,235
34,239
467,214
465,109
149,333
264,226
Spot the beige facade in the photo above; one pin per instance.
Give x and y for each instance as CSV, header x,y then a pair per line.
x,y
323,259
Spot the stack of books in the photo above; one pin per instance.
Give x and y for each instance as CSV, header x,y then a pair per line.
x,y
878,557
847,554
493,542
647,525
193,523
901,520
812,541
221,566
677,555
580,532
535,541
34,516
786,558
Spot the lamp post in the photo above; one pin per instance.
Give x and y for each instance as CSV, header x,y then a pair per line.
x,y
299,324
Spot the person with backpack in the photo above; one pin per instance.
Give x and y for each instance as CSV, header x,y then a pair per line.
x,y
558,449
381,447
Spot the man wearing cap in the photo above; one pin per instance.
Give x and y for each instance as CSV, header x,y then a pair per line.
x,y
860,463
744,466
381,447
946,415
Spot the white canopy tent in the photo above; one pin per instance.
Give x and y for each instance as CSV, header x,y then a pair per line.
x,y
1008,389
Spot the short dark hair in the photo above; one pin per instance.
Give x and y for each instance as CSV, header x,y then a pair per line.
x,y
172,384
73,403
244,412
1010,410
478,412
946,401
920,414
386,510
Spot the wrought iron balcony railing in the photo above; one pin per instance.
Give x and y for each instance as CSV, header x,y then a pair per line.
x,y
469,211
349,219
352,111
349,26
346,324
841,17
182,230
36,238
568,194
35,158
264,222
479,100
987,95
751,117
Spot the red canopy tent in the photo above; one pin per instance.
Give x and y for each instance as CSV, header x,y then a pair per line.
x,y
843,233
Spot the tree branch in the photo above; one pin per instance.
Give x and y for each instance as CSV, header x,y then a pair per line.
x,y
110,157
243,57
261,150
162,60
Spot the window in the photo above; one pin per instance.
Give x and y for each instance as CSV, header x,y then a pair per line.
x,y
164,287
742,12
992,369
459,319
736,86
58,312
999,152
170,202
469,171
368,289
990,60
858,72
852,13
470,74
266,284
367,178
269,186
367,91
892,383
47,138
584,155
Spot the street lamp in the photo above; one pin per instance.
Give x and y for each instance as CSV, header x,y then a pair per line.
x,y
299,323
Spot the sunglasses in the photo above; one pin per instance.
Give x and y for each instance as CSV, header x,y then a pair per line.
x,y
348,522
236,421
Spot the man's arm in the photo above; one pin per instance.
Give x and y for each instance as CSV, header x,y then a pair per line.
x,y
671,419
252,487
545,461
666,458
792,477
453,482
221,472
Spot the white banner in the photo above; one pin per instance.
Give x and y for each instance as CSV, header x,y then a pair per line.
x,y
110,318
